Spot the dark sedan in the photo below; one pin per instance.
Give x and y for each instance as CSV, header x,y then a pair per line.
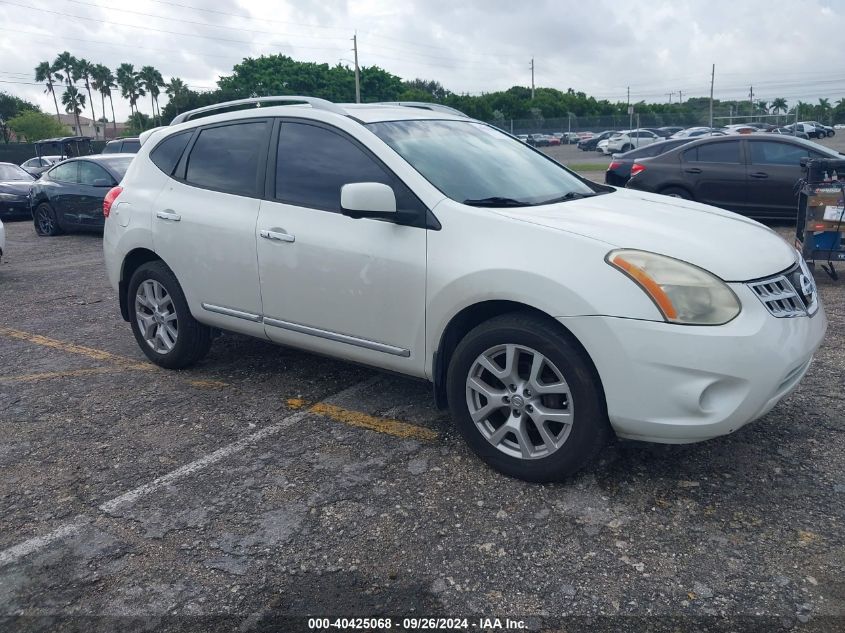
x,y
14,192
752,175
70,195
619,171
590,144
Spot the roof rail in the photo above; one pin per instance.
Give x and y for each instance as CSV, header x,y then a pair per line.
x,y
314,102
424,105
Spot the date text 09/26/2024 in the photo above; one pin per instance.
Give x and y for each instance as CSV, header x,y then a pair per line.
x,y
416,624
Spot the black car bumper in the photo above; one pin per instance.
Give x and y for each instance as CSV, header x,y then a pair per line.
x,y
616,179
15,209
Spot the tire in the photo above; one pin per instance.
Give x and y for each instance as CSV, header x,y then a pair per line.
x,y
831,133
627,147
46,223
176,339
676,192
564,449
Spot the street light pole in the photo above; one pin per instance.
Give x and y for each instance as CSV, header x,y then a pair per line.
x,y
357,76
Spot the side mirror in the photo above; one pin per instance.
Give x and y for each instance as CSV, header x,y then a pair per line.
x,y
367,200
102,182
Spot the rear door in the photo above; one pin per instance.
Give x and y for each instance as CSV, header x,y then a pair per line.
x,y
774,167
94,183
204,220
715,173
61,188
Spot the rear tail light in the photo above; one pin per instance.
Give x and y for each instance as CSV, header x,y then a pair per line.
x,y
637,168
613,165
111,196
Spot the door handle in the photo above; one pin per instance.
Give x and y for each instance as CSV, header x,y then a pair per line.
x,y
277,235
759,174
168,215
693,170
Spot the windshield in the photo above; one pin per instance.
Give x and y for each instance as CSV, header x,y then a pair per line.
x,y
476,164
13,172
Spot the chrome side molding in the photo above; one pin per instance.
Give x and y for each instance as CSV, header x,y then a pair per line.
x,y
340,338
239,314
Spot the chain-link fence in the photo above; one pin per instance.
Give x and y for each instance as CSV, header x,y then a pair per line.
x,y
596,123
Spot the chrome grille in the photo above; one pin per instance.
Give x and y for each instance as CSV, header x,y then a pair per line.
x,y
789,294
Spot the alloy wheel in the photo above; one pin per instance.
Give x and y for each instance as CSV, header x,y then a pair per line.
x,y
519,401
156,316
45,220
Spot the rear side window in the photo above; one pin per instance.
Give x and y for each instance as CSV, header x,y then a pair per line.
x,y
65,172
89,172
714,153
226,158
130,147
112,147
166,154
313,163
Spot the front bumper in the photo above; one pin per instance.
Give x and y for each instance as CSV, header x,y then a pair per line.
x,y
677,384
15,209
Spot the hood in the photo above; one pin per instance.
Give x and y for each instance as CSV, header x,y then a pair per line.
x,y
20,187
728,245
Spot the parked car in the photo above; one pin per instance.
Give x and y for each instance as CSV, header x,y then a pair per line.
x,y
789,132
127,145
839,126
70,195
2,240
753,175
14,191
810,130
547,310
619,170
740,128
669,130
538,140
552,140
762,127
692,132
39,164
522,137
629,139
591,144
658,131
828,130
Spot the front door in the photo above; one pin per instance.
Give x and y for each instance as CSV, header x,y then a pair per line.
x,y
715,173
774,168
348,287
89,198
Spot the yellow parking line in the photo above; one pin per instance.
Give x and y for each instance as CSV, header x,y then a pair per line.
x,y
57,374
89,352
364,421
208,384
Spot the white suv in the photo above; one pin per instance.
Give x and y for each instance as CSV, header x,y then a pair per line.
x,y
548,311
628,140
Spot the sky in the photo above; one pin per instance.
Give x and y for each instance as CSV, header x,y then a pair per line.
x,y
783,48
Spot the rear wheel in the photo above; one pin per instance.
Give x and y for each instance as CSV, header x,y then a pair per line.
x,y
526,399
627,147
676,192
162,323
45,220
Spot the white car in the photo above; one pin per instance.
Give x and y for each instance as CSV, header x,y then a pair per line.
x,y
548,311
2,240
628,140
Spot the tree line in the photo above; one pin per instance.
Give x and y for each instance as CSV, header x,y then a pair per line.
x,y
75,81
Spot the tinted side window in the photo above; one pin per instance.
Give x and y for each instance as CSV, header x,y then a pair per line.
x,y
770,153
65,172
89,172
226,158
111,147
166,154
131,147
313,163
714,153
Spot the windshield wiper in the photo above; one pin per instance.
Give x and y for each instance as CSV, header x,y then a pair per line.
x,y
496,201
572,195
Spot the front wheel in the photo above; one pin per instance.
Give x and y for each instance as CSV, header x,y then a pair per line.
x,y
627,147
526,398
676,192
162,323
45,221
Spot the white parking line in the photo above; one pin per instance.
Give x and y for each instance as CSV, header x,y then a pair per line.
x,y
26,548
34,544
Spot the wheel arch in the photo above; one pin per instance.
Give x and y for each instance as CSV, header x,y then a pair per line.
x,y
470,317
133,260
677,185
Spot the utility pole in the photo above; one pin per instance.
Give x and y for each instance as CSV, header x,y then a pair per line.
x,y
751,101
712,80
630,110
357,74
532,78
680,96
670,97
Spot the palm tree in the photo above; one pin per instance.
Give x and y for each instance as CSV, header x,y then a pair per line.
x,y
44,72
175,89
103,81
83,72
778,106
130,85
74,102
66,63
763,106
152,81
824,108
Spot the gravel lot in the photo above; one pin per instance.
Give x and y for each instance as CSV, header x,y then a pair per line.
x,y
267,483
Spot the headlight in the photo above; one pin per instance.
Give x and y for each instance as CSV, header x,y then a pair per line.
x,y
682,292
